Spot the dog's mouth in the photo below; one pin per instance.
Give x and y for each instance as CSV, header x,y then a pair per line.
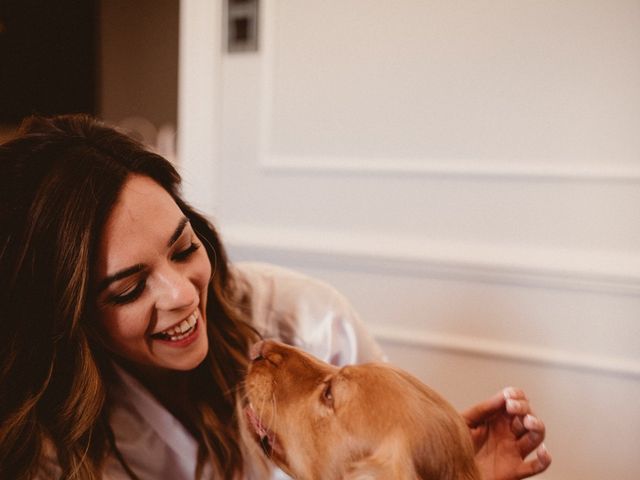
x,y
266,437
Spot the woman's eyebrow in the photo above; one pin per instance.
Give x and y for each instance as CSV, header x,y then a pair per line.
x,y
120,275
179,229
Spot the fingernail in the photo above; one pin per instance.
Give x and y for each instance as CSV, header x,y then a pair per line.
x,y
509,392
512,404
532,421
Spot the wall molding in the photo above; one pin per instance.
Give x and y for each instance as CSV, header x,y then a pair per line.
x,y
509,351
270,161
311,165
600,272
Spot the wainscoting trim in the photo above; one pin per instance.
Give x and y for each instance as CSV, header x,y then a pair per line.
x,y
599,272
458,344
478,168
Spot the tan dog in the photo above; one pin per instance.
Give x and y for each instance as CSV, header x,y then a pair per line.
x,y
373,421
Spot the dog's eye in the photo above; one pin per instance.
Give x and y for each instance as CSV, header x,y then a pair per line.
x,y
327,395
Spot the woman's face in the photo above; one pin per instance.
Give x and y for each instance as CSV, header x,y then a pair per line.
x,y
152,279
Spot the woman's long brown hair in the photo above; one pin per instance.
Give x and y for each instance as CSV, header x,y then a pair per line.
x,y
59,179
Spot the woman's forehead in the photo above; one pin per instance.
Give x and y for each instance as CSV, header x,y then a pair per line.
x,y
142,219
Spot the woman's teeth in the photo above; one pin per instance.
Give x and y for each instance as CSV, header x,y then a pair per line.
x,y
182,330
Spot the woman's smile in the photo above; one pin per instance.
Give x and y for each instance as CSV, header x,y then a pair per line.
x,y
182,334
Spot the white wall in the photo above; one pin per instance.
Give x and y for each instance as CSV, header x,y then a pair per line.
x,y
467,173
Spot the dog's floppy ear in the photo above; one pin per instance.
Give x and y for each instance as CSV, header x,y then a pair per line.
x,y
385,463
368,468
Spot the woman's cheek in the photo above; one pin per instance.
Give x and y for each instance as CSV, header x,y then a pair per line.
x,y
206,262
127,326
203,269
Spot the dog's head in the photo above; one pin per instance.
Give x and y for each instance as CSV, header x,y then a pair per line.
x,y
317,421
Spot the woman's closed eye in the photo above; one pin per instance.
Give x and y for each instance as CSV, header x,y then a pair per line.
x,y
128,295
183,255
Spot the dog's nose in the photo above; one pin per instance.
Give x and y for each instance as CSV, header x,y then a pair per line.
x,y
255,352
266,350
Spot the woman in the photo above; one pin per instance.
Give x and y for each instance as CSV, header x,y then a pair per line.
x,y
126,330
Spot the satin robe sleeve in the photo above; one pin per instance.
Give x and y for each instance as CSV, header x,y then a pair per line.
x,y
306,313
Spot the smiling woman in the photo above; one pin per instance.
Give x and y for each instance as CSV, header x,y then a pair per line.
x,y
126,332
102,271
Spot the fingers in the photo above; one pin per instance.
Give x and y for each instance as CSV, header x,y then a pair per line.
x,y
507,417
514,399
480,413
518,406
536,465
517,402
514,393
527,429
528,442
479,436
518,410
517,427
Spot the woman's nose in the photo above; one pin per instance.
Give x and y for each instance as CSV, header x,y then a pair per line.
x,y
174,290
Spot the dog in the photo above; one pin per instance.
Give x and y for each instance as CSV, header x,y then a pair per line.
x,y
371,421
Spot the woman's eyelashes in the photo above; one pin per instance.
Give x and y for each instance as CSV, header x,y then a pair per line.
x,y
182,255
134,292
129,295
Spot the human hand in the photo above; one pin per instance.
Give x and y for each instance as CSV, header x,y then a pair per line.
x,y
504,431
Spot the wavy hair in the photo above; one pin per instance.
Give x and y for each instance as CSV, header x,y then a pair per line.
x,y
59,179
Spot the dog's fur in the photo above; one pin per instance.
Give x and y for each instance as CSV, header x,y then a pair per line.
x,y
373,421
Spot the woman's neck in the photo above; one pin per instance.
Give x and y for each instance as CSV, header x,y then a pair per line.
x,y
170,388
